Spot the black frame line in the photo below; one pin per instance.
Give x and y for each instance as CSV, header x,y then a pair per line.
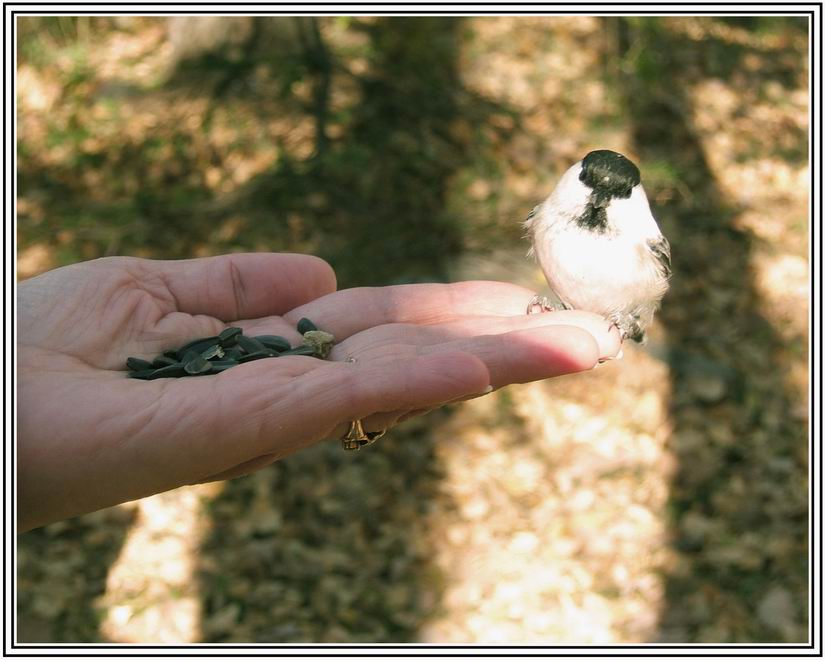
x,y
813,419
614,12
6,592
91,650
438,4
811,318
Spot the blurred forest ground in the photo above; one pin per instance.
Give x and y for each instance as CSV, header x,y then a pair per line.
x,y
660,498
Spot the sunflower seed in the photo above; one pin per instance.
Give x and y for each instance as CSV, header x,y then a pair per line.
x,y
197,345
230,348
136,364
172,371
275,342
222,365
232,353
229,336
257,355
213,352
249,344
305,325
197,365
189,356
143,374
163,361
300,350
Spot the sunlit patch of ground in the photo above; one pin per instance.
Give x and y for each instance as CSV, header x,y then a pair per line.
x,y
152,592
755,138
553,526
552,529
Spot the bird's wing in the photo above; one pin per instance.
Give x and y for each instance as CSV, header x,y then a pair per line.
x,y
661,251
529,219
528,227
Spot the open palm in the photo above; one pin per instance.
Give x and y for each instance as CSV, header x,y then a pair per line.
x,y
90,437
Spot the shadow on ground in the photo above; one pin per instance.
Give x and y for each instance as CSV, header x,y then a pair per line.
x,y
337,550
739,498
331,546
61,575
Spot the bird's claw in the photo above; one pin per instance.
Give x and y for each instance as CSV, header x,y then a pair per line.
x,y
541,302
622,337
614,324
618,356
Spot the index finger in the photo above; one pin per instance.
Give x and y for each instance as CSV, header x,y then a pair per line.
x,y
345,313
244,286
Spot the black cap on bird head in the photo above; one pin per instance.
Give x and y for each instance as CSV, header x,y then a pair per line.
x,y
610,175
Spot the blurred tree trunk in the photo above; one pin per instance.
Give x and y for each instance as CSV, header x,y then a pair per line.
x,y
194,36
319,63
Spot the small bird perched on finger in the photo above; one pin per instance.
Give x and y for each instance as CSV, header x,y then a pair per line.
x,y
599,246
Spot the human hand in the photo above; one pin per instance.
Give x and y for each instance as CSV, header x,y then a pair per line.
x,y
89,437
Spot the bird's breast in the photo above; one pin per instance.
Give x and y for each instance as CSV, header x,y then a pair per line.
x,y
594,272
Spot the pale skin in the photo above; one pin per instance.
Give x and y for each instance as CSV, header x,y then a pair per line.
x,y
89,437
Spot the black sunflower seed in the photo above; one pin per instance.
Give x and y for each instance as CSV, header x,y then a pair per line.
x,y
257,355
230,348
143,374
249,344
275,342
136,364
305,325
232,353
197,345
189,356
215,351
228,336
222,365
197,365
172,371
300,350
163,361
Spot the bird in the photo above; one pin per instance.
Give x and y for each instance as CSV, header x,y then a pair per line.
x,y
599,245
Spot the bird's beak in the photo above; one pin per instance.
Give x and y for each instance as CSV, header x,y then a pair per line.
x,y
599,201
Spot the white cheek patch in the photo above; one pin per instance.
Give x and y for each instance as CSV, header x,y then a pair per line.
x,y
631,217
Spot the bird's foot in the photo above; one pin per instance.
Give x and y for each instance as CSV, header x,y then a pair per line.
x,y
615,324
542,303
618,356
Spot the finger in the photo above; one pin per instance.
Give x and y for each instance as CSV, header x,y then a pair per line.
x,y
343,391
347,312
374,423
247,467
384,421
424,411
607,336
523,356
243,286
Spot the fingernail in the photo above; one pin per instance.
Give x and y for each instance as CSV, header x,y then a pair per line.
x,y
487,389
